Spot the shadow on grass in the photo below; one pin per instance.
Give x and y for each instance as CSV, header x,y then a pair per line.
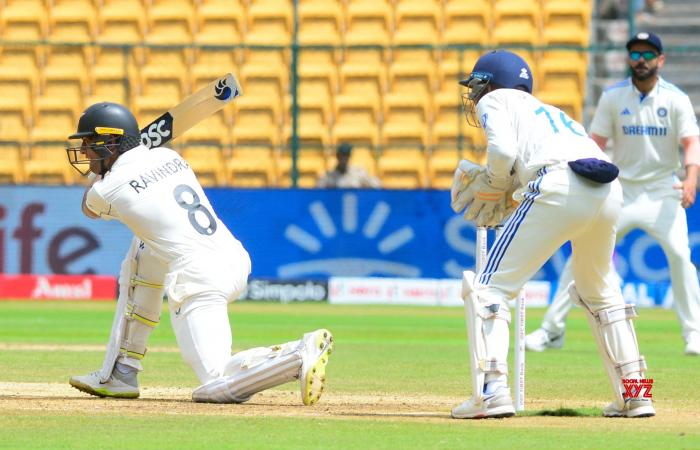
x,y
564,412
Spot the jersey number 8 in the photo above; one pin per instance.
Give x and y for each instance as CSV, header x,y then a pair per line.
x,y
192,209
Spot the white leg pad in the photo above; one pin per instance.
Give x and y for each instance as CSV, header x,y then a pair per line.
x,y
252,371
138,308
617,342
487,330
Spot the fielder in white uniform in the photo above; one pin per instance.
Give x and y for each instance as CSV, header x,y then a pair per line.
x,y
647,118
568,193
181,249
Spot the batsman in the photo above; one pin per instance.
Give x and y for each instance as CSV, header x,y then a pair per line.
x,y
183,250
566,191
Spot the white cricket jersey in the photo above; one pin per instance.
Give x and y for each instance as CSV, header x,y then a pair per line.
x,y
646,129
156,194
525,134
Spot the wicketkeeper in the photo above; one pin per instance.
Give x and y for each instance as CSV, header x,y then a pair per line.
x,y
568,192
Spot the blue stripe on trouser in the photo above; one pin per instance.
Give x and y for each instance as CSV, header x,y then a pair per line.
x,y
511,229
519,212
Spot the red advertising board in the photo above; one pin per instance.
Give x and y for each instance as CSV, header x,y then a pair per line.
x,y
57,287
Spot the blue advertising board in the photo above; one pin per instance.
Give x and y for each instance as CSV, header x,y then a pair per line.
x,y
296,234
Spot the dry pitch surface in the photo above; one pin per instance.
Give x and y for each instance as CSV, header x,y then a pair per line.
x,y
23,398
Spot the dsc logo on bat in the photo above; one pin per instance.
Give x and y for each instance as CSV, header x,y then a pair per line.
x,y
158,131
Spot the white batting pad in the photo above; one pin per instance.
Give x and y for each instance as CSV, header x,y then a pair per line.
x,y
138,308
252,371
617,342
488,333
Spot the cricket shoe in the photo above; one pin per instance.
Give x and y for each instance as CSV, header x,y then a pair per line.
x,y
634,407
315,349
119,385
692,345
541,339
497,405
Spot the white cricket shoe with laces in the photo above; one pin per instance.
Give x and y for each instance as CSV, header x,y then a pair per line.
x,y
496,405
119,384
316,347
541,339
634,408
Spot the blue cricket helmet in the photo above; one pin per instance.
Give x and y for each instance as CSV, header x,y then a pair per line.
x,y
498,67
503,68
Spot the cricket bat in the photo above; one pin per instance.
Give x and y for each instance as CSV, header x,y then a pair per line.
x,y
191,111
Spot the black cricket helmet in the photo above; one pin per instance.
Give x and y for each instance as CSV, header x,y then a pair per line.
x,y
107,129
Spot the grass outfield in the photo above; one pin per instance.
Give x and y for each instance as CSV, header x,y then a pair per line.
x,y
394,375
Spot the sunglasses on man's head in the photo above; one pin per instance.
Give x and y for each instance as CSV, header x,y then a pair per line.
x,y
648,55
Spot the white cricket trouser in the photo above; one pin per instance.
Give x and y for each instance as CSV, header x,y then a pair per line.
x,y
557,207
655,208
200,320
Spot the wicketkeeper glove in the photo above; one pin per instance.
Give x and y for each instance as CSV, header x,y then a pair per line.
x,y
490,204
461,195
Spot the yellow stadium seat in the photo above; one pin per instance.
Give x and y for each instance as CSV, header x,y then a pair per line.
x,y
64,87
108,87
11,167
210,64
168,59
311,165
47,164
267,82
449,120
118,62
368,22
406,116
206,160
269,22
402,165
54,120
163,82
220,22
15,119
563,71
30,58
319,23
24,21
256,121
467,22
417,22
412,79
366,80
74,59
313,128
566,22
250,165
516,22
356,119
441,167
122,22
170,23
19,84
73,21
